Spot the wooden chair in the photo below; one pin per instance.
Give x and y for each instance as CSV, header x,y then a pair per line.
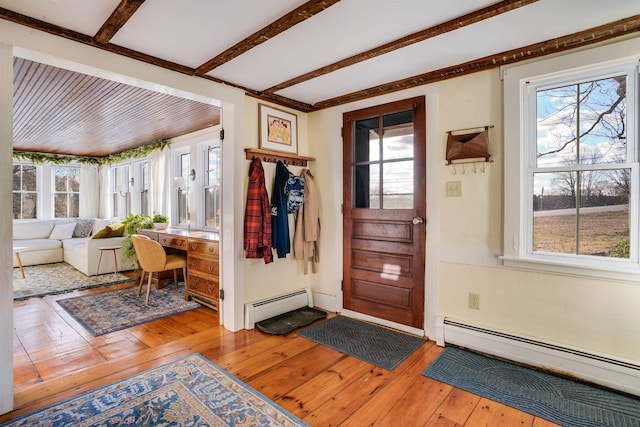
x,y
152,258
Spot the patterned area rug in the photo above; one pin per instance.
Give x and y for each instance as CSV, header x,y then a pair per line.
x,y
379,346
189,392
562,401
58,278
111,311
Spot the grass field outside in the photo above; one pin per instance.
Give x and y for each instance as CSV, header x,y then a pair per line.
x,y
599,232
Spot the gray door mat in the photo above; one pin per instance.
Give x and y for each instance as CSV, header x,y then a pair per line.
x,y
287,322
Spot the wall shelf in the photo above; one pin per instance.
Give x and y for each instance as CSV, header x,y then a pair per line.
x,y
273,157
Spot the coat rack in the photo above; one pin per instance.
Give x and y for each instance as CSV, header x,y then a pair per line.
x,y
274,156
468,145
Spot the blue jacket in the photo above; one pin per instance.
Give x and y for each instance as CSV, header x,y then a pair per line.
x,y
279,217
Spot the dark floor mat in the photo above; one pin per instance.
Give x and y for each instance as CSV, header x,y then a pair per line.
x,y
287,322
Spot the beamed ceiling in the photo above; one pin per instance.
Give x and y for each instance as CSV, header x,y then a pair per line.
x,y
303,55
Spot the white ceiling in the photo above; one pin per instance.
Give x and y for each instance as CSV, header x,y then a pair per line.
x,y
190,32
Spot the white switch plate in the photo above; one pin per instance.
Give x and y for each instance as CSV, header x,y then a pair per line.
x,y
454,189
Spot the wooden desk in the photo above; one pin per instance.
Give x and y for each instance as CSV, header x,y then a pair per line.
x,y
203,261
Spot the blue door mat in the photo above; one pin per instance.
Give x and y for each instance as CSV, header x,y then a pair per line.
x,y
287,322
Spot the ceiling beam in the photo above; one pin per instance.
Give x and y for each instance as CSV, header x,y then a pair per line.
x,y
282,24
122,13
572,41
445,27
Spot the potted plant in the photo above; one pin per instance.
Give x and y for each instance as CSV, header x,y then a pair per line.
x,y
160,221
132,224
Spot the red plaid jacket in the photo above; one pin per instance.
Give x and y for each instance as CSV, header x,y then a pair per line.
x,y
257,216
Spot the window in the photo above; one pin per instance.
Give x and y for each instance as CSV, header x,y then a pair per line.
x,y
581,170
144,188
25,191
383,162
574,205
113,179
212,187
124,188
66,191
183,189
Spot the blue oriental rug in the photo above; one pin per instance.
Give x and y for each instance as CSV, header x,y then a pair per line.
x,y
562,401
189,392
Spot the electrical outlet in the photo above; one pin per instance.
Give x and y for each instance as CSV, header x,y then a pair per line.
x,y
474,301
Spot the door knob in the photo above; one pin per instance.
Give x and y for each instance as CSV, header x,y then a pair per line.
x,y
417,220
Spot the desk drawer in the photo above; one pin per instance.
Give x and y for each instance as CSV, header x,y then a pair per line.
x,y
203,285
204,248
208,266
173,242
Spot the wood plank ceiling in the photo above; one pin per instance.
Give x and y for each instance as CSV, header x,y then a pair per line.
x,y
63,112
335,60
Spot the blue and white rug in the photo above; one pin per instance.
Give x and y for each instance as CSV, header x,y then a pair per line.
x,y
562,401
188,392
111,311
57,278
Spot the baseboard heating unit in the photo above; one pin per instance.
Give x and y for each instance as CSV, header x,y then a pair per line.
x,y
618,374
258,311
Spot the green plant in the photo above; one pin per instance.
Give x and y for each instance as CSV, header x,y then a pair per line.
x,y
132,224
620,249
158,218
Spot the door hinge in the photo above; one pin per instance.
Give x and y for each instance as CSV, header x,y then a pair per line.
x,y
342,209
221,295
341,285
221,134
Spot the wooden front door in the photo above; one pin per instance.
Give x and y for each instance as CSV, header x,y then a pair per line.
x,y
384,210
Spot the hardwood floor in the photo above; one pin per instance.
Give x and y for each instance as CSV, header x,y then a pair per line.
x,y
56,359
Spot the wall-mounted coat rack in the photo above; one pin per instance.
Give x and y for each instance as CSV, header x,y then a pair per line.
x,y
273,157
468,145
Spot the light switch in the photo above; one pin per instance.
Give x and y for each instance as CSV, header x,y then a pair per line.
x,y
454,189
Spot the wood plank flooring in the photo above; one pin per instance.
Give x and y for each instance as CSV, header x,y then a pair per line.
x,y
56,359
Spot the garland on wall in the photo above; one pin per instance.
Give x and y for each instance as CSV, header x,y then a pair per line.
x,y
59,159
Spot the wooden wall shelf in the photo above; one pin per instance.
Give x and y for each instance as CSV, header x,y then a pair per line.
x,y
273,157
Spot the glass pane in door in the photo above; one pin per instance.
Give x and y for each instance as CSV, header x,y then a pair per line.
x,y
383,176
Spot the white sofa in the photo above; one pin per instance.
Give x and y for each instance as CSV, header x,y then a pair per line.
x,y
80,252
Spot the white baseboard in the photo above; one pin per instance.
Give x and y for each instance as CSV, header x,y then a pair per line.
x,y
615,373
326,302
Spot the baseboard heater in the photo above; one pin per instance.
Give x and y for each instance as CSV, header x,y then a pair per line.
x,y
267,308
618,374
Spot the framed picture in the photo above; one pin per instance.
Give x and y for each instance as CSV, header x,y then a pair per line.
x,y
278,130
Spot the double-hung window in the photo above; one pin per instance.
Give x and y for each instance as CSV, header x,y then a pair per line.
x,y
66,191
25,191
571,182
144,188
212,187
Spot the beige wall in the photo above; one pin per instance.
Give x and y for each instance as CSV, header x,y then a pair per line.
x,y
283,274
464,238
592,314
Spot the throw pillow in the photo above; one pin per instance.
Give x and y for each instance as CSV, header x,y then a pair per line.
x,y
62,231
111,230
83,228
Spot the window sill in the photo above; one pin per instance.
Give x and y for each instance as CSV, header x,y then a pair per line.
x,y
618,271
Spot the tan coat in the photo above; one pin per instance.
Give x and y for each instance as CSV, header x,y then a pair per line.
x,y
307,235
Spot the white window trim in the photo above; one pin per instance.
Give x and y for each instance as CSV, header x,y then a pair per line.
x,y
53,191
204,151
516,179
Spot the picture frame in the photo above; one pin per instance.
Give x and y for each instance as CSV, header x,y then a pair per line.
x,y
278,129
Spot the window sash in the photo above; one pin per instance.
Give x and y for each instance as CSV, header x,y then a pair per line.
x,y
522,81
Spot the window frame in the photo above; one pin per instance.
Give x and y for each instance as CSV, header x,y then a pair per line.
x,y
206,150
54,192
520,85
38,192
